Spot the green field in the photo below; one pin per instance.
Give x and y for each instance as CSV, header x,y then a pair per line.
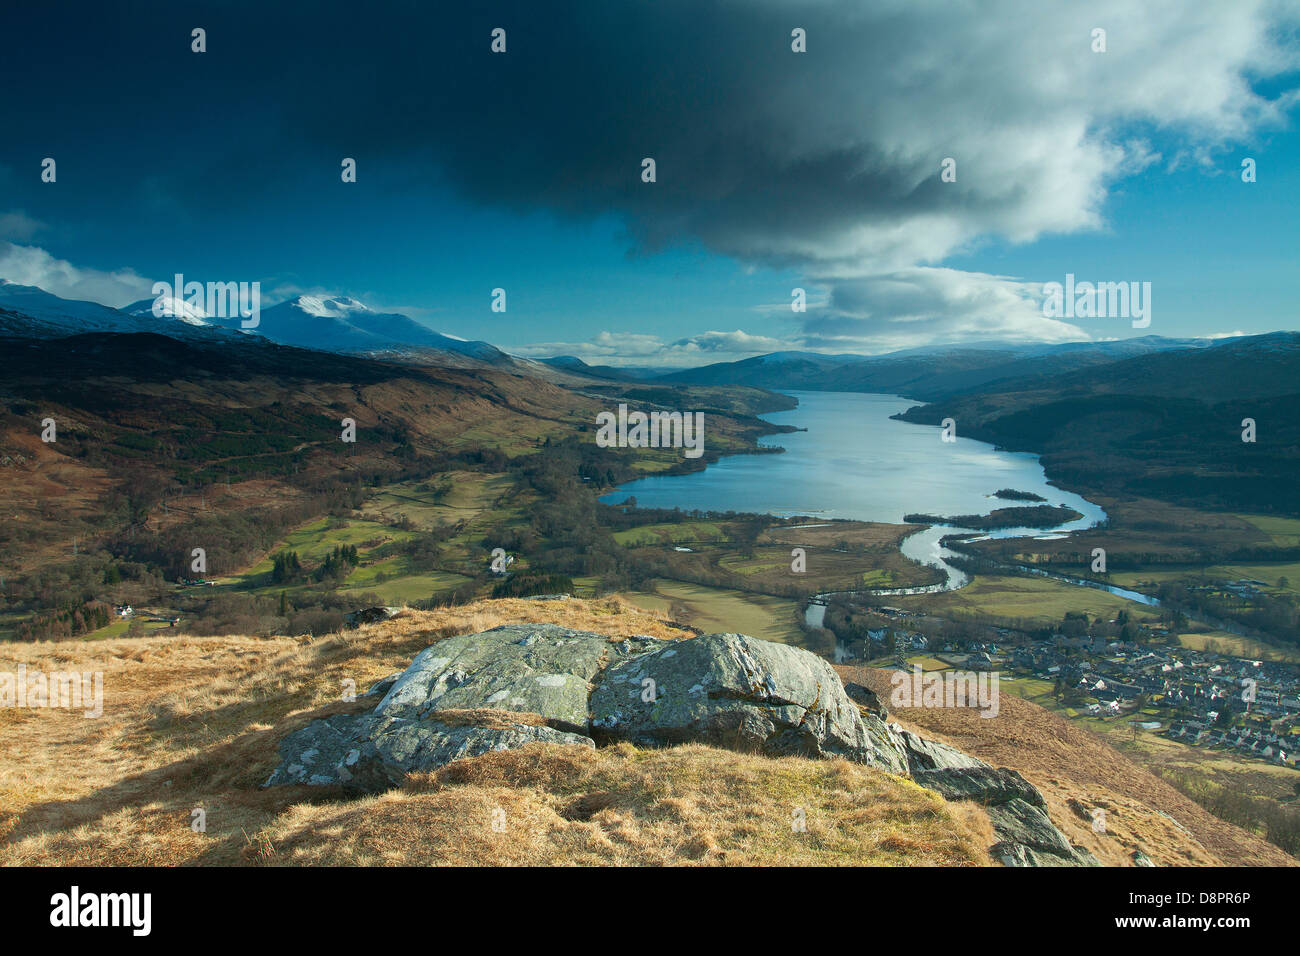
x,y
120,627
1224,643
838,556
401,586
1285,532
314,540
448,499
1268,573
673,533
721,609
117,629
1037,600
926,663
464,499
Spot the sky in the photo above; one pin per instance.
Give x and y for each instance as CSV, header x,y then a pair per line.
x,y
775,169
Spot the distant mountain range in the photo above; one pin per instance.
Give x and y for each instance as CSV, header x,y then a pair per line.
x,y
30,312
925,373
1167,424
324,323
343,325
618,373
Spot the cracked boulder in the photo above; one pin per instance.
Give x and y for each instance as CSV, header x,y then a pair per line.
x,y
369,753
980,783
737,692
925,754
1029,838
540,683
1016,808
531,668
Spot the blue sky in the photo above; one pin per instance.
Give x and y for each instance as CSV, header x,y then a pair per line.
x,y
776,169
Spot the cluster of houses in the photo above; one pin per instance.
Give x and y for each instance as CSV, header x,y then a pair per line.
x,y
906,639
1243,588
1201,698
1265,745
1250,707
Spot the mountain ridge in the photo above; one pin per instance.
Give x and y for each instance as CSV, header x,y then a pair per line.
x,y
338,324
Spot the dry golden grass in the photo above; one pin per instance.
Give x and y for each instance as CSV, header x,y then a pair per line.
x,y
194,723
1075,768
623,806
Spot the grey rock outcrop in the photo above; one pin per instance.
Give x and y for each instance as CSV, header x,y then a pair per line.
x,y
370,615
738,692
531,668
1021,822
867,698
1017,854
982,783
925,754
540,683
1016,808
367,753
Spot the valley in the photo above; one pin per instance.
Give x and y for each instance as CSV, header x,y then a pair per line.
x,y
646,435
452,464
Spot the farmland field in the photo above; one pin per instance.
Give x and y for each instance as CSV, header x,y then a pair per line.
x,y
720,609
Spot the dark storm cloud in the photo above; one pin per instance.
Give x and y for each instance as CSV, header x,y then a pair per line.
x,y
827,161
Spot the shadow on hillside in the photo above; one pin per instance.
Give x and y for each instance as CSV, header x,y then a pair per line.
x,y
224,778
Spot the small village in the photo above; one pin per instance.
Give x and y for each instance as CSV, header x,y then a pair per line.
x,y
1198,697
1201,698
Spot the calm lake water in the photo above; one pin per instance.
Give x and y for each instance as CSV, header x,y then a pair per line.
x,y
854,461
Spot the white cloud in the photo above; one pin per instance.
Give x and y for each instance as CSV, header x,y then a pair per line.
x,y
829,161
31,265
896,310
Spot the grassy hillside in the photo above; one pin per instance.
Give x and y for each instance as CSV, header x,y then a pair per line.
x,y
193,723
237,448
1167,425
1075,769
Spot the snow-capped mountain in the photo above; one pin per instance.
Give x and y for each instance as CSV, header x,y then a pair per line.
x,y
29,310
171,308
324,323
343,324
